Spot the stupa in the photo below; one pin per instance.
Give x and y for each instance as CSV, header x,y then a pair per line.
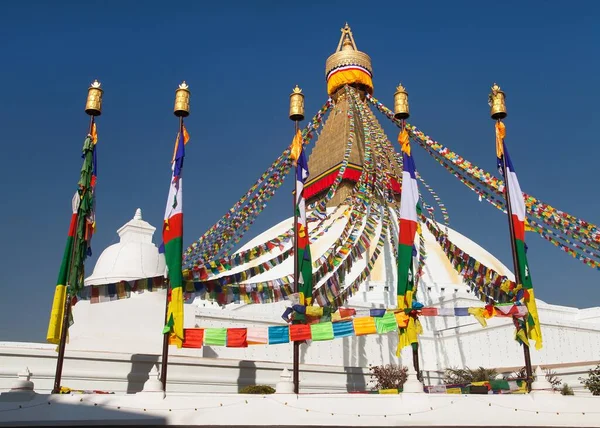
x,y
353,194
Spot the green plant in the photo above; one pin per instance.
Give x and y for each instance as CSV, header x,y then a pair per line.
x,y
389,376
593,380
551,376
566,390
257,389
455,376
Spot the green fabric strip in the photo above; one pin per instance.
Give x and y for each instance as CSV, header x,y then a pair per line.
x,y
523,265
386,323
404,269
173,255
64,266
305,269
322,331
215,336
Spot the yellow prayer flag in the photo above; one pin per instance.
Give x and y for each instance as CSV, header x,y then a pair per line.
x,y
296,147
404,141
94,133
500,134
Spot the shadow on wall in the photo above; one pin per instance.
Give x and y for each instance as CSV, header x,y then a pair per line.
x,y
355,357
141,365
247,374
66,414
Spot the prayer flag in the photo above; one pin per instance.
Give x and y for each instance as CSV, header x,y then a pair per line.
x,y
78,247
517,204
303,258
173,244
408,228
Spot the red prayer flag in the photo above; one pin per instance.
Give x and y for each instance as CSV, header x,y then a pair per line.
x,y
237,338
193,337
300,332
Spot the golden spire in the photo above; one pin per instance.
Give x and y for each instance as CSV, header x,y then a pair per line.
x,y
347,54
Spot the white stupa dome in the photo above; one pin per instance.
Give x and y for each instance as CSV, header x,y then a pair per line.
x,y
134,257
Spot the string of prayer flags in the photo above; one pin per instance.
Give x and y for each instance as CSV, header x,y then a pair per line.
x,y
324,329
586,233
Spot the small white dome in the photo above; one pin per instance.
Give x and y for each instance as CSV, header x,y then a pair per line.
x,y
134,257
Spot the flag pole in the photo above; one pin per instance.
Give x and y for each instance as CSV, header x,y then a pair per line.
x,y
296,114
498,104
181,110
93,108
402,112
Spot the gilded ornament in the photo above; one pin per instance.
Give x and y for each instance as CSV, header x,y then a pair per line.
x,y
93,104
182,101
401,108
497,103
297,104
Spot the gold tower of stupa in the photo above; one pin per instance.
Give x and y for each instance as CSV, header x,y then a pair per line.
x,y
346,67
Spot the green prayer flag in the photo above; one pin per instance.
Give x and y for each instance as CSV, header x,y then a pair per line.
x,y
322,331
386,323
215,336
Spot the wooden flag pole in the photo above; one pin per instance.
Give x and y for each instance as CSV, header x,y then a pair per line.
x,y
296,114
93,108
498,112
402,112
181,110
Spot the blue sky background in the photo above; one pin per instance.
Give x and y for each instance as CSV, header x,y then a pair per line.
x,y
241,61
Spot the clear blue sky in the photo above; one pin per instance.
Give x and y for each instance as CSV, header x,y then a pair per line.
x,y
241,62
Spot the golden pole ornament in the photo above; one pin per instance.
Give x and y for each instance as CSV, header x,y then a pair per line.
x,y
497,102
93,105
182,101
297,104
401,109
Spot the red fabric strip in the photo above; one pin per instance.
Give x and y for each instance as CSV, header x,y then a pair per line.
x,y
408,229
300,332
237,338
519,228
193,337
173,229
73,225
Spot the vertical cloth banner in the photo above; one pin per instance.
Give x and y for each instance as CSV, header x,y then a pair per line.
x,y
408,228
78,247
303,258
517,204
173,242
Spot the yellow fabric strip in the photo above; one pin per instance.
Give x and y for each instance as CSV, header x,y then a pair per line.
x,y
56,314
314,311
409,335
296,147
478,313
534,332
364,325
176,309
348,77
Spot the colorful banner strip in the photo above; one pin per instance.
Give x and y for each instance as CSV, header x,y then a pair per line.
x,y
378,322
